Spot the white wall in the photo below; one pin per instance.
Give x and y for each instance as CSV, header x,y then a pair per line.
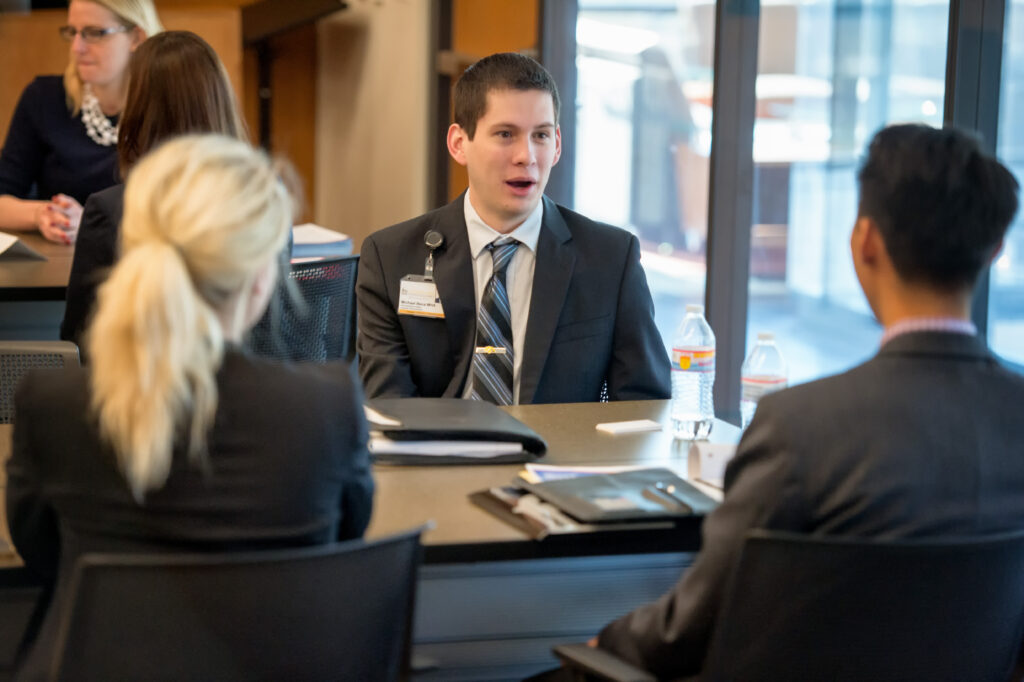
x,y
373,115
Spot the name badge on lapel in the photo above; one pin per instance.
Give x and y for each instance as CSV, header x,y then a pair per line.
x,y
418,296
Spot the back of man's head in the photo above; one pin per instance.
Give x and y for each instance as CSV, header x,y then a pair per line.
x,y
502,71
941,204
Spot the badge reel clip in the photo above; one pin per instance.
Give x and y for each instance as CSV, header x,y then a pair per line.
x,y
418,295
433,240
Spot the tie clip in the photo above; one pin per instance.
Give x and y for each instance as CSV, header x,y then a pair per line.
x,y
490,350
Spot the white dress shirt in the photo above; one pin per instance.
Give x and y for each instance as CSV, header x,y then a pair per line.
x,y
518,277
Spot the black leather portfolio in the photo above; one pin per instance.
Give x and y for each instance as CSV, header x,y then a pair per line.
x,y
637,495
448,430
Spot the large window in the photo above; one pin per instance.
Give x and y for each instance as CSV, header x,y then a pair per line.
x,y
830,74
1006,297
643,136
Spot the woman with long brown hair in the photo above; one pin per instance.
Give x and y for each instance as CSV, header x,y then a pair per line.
x,y
177,85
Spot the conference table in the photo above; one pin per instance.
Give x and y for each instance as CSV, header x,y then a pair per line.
x,y
491,601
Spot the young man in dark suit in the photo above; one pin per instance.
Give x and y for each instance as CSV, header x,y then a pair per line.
x,y
528,302
922,440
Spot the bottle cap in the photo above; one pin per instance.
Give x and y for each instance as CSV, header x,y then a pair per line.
x,y
694,308
765,336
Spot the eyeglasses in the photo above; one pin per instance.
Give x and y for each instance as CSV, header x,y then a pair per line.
x,y
90,34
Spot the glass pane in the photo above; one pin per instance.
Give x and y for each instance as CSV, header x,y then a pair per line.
x,y
1006,293
643,136
830,74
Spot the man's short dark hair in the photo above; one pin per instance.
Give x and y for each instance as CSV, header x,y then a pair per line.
x,y
941,203
502,71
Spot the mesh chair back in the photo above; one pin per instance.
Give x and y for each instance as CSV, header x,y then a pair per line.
x,y
803,608
18,357
319,327
340,612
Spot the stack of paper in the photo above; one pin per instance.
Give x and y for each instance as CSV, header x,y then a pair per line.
x,y
313,241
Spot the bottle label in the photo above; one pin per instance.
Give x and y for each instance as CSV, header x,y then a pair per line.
x,y
693,359
754,387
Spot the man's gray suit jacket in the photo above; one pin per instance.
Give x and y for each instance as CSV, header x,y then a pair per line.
x,y
591,315
923,440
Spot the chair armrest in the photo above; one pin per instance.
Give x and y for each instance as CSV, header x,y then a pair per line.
x,y
604,665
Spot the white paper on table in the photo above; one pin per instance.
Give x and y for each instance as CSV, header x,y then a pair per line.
x,y
11,246
382,445
712,459
634,426
539,473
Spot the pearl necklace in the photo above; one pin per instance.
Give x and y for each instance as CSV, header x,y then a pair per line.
x,y
97,126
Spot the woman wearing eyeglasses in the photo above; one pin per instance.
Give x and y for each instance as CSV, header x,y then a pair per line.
x,y
61,144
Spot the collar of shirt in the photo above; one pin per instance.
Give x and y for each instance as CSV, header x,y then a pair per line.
x,y
952,325
481,234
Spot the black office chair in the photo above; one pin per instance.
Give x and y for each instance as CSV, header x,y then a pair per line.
x,y
18,357
321,325
21,609
819,608
338,612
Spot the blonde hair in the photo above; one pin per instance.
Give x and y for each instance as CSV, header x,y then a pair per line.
x,y
131,13
203,214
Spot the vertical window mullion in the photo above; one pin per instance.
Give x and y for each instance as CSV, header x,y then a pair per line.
x,y
973,77
731,192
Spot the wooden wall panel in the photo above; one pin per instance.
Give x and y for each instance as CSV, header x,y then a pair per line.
x,y
293,77
483,27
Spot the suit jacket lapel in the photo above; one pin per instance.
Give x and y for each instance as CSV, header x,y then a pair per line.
x,y
453,273
551,276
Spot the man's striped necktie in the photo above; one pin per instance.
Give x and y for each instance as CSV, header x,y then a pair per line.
x,y
493,357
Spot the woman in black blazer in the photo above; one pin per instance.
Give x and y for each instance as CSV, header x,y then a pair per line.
x,y
174,439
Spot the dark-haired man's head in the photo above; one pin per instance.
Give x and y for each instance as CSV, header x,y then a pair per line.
x,y
506,135
939,204
502,71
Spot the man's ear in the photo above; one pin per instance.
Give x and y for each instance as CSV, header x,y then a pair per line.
x,y
558,145
866,241
457,139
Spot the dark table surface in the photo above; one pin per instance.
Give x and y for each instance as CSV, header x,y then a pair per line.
x,y
408,496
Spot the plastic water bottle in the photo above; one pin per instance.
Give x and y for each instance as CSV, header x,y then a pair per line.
x,y
693,376
763,372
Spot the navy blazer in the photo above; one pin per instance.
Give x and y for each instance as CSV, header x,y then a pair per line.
x,y
924,440
591,314
47,150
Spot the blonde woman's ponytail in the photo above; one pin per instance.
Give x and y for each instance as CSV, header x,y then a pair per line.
x,y
202,215
157,346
